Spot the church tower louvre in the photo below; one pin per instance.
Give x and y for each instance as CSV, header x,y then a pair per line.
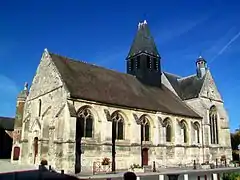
x,y
143,60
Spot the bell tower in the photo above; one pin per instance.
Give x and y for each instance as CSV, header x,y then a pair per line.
x,y
201,64
143,60
18,124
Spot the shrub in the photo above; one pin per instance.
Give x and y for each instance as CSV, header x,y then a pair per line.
x,y
133,166
231,176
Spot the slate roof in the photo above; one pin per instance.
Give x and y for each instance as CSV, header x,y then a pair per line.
x,y
186,87
94,83
7,123
143,42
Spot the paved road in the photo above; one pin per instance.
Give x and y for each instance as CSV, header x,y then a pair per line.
x,y
7,166
10,171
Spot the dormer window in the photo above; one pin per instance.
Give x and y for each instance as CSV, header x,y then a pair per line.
x,y
138,62
148,62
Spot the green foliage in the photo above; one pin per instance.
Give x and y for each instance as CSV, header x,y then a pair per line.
x,y
133,166
230,176
235,140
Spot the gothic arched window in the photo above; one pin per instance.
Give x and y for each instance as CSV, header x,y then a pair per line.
x,y
197,132
118,124
213,121
168,128
145,129
184,128
85,119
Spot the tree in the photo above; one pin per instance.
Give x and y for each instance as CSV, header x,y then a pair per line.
x,y
235,140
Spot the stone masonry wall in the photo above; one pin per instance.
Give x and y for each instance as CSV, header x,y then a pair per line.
x,y
202,106
47,87
128,150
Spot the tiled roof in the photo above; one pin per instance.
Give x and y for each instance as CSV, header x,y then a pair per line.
x,y
7,123
90,82
186,87
143,42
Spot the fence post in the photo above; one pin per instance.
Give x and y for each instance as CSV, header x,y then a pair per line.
x,y
185,176
161,177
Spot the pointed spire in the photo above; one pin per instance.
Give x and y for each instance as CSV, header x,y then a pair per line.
x,y
200,58
143,42
26,86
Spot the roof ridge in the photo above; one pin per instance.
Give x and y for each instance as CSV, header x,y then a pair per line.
x,y
186,77
172,74
85,62
99,84
7,117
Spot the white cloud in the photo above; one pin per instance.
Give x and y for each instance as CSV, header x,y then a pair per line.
x,y
178,28
226,46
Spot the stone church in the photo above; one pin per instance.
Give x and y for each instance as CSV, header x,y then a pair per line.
x,y
76,113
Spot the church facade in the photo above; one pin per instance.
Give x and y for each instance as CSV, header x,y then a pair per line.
x,y
76,114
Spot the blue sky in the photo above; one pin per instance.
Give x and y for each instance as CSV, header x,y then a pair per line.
x,y
101,32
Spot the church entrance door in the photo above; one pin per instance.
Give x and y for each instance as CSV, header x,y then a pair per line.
x,y
16,153
145,156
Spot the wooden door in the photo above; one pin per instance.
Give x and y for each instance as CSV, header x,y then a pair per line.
x,y
16,153
145,156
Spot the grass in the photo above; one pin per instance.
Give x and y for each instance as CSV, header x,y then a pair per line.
x,y
231,176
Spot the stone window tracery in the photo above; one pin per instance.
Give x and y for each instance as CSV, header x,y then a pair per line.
x,y
184,129
85,119
118,124
197,132
145,129
168,127
213,121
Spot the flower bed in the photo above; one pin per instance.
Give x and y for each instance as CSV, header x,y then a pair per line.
x,y
136,168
